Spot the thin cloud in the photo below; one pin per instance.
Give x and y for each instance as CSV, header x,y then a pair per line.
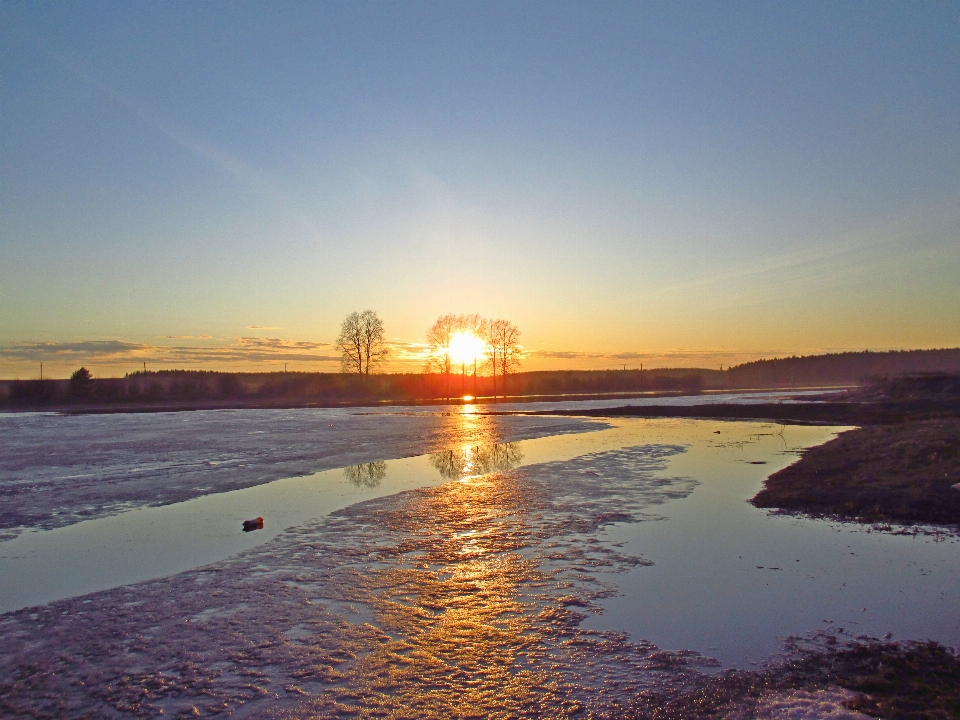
x,y
38,351
262,327
115,352
676,357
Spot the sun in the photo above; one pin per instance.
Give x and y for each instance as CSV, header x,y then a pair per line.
x,y
466,348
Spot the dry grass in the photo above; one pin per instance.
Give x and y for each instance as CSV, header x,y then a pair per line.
x,y
906,681
896,473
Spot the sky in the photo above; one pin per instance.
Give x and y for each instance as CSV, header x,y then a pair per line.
x,y
217,185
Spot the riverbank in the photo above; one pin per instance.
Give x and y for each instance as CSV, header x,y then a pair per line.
x,y
855,679
829,412
889,473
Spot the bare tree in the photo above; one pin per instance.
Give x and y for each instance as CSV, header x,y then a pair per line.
x,y
443,334
361,343
476,326
503,342
439,337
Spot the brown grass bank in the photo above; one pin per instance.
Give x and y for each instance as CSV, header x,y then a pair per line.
x,y
896,681
894,473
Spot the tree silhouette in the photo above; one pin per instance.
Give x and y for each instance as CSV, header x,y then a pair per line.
x,y
361,342
439,337
81,382
81,376
503,342
476,326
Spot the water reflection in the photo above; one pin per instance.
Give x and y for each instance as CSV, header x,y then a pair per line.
x,y
366,475
464,600
479,459
454,600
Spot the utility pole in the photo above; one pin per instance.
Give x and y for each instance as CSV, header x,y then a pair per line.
x,y
41,371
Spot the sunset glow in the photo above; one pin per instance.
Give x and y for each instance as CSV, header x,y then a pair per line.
x,y
503,359
466,348
680,200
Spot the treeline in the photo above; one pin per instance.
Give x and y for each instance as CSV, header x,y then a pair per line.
x,y
239,389
841,368
186,386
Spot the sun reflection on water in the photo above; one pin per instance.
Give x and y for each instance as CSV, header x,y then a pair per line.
x,y
462,599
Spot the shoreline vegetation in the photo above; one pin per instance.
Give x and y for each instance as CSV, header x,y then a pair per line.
x,y
900,473
191,389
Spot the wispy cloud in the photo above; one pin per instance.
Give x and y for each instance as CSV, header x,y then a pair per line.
x,y
116,352
186,337
253,352
262,327
39,351
663,358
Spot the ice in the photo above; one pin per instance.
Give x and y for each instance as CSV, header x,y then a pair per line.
x,y
502,579
57,469
61,469
459,599
825,704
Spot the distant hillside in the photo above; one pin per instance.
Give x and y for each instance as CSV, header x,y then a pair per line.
x,y
841,368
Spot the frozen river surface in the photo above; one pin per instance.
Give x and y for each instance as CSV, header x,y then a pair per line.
x,y
517,566
57,469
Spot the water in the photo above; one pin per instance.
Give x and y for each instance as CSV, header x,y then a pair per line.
x,y
56,470
540,576
732,581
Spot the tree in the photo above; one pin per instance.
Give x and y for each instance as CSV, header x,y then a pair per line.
x,y
81,382
444,334
361,343
503,341
475,326
81,376
439,337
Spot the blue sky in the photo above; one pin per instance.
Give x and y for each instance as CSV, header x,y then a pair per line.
x,y
219,184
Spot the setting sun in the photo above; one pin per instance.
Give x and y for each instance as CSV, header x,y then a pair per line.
x,y
466,348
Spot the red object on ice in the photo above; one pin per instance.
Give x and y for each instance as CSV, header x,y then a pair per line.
x,y
249,525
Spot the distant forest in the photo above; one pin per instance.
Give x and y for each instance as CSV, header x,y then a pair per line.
x,y
217,389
